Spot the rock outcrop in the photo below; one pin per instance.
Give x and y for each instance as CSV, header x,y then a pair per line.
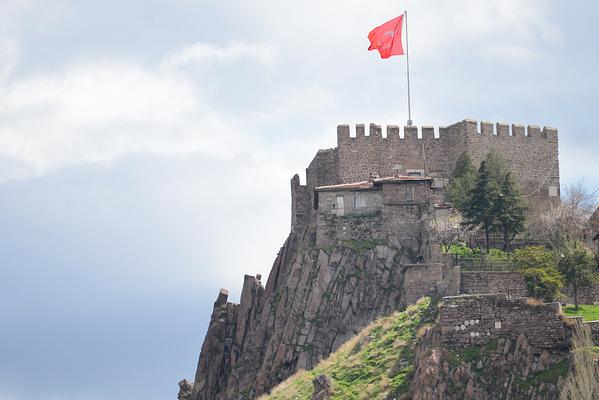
x,y
185,390
503,369
315,299
323,388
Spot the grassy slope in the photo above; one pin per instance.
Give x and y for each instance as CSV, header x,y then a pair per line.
x,y
589,312
376,362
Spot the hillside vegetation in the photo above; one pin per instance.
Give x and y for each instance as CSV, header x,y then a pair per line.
x,y
373,365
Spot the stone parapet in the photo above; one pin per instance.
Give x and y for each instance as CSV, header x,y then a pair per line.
x,y
478,319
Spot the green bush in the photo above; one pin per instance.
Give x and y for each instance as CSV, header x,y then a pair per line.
x,y
539,267
463,251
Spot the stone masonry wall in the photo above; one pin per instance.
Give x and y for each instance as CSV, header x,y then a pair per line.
x,y
486,282
330,228
422,280
429,280
479,319
532,153
300,203
323,170
588,295
594,325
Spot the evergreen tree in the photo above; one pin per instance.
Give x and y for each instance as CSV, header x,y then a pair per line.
x,y
511,212
578,267
496,166
462,182
483,205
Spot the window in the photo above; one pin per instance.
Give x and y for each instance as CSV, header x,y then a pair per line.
x,y
552,191
340,206
359,201
410,194
415,172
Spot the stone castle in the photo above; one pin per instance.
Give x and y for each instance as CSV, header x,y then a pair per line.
x,y
359,248
531,152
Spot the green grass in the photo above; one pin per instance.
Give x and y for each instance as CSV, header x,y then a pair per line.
x,y
456,356
549,375
589,312
377,362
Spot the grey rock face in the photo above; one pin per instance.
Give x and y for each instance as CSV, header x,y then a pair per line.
x,y
322,388
185,390
315,299
504,371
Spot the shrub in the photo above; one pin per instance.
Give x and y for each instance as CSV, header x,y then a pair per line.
x,y
539,267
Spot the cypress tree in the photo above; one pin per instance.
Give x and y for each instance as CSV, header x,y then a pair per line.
x,y
511,212
462,182
482,209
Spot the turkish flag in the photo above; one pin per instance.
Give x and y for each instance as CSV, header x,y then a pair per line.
x,y
387,38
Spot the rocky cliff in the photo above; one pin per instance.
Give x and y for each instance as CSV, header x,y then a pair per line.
x,y
503,369
403,356
315,299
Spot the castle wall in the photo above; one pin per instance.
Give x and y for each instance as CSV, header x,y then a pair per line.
x,y
301,199
331,229
422,280
594,326
483,282
531,153
323,170
433,279
362,156
395,212
479,319
586,295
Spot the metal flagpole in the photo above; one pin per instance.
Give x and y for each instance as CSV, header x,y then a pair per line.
x,y
408,69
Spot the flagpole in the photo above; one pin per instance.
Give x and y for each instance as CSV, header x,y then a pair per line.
x,y
408,69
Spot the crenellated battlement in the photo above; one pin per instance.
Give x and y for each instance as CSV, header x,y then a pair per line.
x,y
395,132
531,151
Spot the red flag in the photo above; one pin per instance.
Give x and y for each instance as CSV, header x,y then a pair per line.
x,y
387,38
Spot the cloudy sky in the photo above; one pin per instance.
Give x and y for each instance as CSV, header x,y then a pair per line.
x,y
146,149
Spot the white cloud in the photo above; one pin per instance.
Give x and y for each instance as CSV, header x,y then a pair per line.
x,y
8,57
436,27
206,53
96,112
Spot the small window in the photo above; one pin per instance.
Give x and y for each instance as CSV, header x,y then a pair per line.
x,y
340,206
410,194
552,191
415,172
359,201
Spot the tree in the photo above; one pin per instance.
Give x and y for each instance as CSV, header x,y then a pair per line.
x,y
511,212
567,220
450,230
578,267
497,166
582,383
462,182
482,208
539,267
